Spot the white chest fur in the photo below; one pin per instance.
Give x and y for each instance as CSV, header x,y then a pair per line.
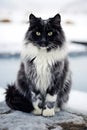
x,y
43,78
43,61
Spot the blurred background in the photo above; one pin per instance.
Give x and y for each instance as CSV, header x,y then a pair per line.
x,y
14,16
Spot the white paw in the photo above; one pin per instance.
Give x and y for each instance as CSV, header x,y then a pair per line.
x,y
37,111
48,112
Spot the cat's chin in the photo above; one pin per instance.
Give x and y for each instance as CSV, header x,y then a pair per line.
x,y
43,48
47,48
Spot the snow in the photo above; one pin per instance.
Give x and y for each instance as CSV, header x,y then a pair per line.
x,y
2,94
77,101
72,48
11,37
38,6
77,30
76,7
32,5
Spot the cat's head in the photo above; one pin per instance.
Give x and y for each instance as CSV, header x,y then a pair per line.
x,y
45,33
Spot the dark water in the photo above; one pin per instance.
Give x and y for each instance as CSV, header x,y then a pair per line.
x,y
78,65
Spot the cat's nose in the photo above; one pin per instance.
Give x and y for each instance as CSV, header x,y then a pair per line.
x,y
44,42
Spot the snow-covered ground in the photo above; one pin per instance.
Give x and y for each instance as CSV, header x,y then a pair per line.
x,y
77,100
75,27
11,37
2,94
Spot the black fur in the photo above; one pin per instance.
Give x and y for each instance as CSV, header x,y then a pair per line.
x,y
15,100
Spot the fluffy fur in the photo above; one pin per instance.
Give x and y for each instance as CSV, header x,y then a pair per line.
x,y
44,79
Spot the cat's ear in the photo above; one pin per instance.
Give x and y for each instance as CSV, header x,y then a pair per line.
x,y
57,19
32,18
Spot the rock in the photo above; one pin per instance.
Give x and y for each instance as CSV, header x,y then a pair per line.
x,y
16,120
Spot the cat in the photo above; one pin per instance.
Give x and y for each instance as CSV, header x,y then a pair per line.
x,y
44,79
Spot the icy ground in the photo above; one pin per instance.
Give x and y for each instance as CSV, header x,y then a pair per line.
x,y
15,120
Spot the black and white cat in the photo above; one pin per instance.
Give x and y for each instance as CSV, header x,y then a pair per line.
x,y
44,79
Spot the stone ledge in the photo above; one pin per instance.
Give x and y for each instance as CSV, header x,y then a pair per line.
x,y
16,120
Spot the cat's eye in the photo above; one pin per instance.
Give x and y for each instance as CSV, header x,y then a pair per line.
x,y
38,33
50,33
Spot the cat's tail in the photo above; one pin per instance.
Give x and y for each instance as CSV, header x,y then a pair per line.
x,y
17,101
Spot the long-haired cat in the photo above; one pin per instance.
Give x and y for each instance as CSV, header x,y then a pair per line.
x,y
44,79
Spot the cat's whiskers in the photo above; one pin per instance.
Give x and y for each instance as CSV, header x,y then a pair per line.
x,y
52,46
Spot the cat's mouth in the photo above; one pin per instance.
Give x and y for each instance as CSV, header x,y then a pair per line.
x,y
50,46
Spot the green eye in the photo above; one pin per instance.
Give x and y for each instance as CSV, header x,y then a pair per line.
x,y
38,33
50,33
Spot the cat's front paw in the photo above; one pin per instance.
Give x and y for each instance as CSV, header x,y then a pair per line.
x,y
37,104
37,111
48,112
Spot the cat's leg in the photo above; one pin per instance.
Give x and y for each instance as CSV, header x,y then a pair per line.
x,y
49,107
50,102
63,95
37,102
